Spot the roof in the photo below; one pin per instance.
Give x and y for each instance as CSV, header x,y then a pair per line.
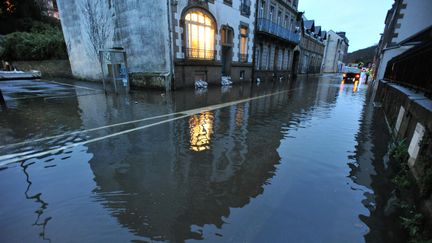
x,y
324,34
309,25
318,30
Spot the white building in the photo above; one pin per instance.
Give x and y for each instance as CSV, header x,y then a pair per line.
x,y
404,19
336,47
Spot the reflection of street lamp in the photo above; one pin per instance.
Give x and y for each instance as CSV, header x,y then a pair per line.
x,y
201,129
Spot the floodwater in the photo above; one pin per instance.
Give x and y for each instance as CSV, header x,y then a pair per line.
x,y
275,162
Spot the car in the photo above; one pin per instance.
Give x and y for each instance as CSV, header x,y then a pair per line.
x,y
351,73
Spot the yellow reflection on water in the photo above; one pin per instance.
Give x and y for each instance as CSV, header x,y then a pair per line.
x,y
239,116
201,129
341,86
355,86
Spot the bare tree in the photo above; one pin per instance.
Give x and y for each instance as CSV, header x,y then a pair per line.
x,y
98,21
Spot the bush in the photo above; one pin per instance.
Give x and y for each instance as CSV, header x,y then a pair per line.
x,y
41,43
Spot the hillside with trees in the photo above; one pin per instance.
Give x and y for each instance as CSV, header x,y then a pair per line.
x,y
365,55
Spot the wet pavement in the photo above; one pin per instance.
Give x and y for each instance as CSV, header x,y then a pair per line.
x,y
279,162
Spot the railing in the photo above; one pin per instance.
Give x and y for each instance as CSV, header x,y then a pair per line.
x,y
243,57
245,8
265,25
193,53
412,68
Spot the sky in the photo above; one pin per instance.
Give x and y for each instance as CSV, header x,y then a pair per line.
x,y
362,20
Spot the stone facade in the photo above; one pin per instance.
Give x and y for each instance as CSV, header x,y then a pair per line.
x,y
311,47
231,48
336,48
276,39
169,44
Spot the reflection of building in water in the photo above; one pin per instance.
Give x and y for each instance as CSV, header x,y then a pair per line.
x,y
201,129
368,164
153,183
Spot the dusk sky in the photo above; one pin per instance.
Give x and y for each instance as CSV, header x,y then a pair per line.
x,y
362,20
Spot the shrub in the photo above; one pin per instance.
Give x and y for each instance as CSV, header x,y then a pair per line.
x,y
41,43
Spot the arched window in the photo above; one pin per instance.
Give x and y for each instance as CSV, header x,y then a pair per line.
x,y
200,35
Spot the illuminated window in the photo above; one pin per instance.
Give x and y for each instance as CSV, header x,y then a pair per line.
x,y
200,33
243,44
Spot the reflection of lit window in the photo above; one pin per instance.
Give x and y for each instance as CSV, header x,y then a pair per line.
x,y
239,116
201,129
199,35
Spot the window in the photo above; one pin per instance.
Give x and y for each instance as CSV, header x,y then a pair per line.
x,y
245,7
271,13
279,18
258,58
261,10
226,36
243,44
286,21
200,34
292,24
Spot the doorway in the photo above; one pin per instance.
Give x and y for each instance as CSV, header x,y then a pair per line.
x,y
226,60
295,63
227,35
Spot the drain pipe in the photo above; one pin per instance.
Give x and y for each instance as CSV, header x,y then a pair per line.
x,y
254,42
168,87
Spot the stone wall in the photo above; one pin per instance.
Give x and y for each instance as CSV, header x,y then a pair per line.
x,y
409,115
48,68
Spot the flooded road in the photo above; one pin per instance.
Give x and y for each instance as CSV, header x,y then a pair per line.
x,y
278,162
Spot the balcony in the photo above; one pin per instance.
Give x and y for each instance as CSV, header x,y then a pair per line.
x,y
200,54
269,27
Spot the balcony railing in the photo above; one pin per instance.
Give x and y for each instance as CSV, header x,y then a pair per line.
x,y
243,57
265,25
245,8
201,54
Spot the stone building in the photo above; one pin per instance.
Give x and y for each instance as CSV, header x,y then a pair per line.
x,y
336,48
169,44
277,36
406,18
311,47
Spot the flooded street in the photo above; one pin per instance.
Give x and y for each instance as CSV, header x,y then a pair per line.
x,y
278,162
